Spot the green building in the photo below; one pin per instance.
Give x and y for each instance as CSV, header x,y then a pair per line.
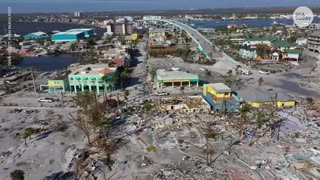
x,y
94,77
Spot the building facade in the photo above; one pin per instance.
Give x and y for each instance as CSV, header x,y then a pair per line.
x,y
95,77
220,97
314,42
173,77
261,99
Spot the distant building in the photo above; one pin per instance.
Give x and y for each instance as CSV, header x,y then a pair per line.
x,y
220,97
110,29
314,42
67,36
77,14
314,27
36,35
173,77
72,35
248,52
129,28
254,41
119,29
293,55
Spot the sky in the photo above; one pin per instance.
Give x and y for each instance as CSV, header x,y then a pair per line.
x,y
31,6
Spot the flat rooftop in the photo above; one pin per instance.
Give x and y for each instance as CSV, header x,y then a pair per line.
x,y
93,70
219,87
162,74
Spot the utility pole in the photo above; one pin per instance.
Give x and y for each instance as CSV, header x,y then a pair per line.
x,y
34,83
62,98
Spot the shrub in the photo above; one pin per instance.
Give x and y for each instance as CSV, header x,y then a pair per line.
x,y
17,175
151,148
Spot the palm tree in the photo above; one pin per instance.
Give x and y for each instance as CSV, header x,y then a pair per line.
x,y
114,80
244,111
27,134
147,107
153,73
237,69
123,77
126,94
229,73
208,74
182,90
104,80
259,117
260,81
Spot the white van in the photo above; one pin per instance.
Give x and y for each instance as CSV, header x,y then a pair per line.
x,y
48,100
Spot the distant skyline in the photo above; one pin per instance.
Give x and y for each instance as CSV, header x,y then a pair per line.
x,y
48,6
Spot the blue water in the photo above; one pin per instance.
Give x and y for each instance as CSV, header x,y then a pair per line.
x,y
48,63
255,22
22,28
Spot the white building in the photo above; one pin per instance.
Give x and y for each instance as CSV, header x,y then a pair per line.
x,y
246,52
302,41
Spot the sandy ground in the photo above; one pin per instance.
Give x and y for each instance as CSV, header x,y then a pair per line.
x,y
47,152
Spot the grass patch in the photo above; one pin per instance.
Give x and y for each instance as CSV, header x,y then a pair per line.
x,y
151,148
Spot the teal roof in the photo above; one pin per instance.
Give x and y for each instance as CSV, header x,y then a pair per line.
x,y
271,39
282,43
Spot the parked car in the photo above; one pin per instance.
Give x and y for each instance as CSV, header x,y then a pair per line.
x,y
246,72
203,69
264,72
49,100
162,93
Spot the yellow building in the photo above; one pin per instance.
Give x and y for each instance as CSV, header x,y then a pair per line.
x,y
219,91
261,99
159,32
134,37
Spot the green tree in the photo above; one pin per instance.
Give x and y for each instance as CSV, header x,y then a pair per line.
x,y
28,132
89,118
262,50
147,107
153,73
229,73
260,81
244,110
72,47
17,175
126,94
259,119
229,82
123,78
84,99
237,69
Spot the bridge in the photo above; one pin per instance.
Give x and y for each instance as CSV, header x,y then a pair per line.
x,y
204,45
